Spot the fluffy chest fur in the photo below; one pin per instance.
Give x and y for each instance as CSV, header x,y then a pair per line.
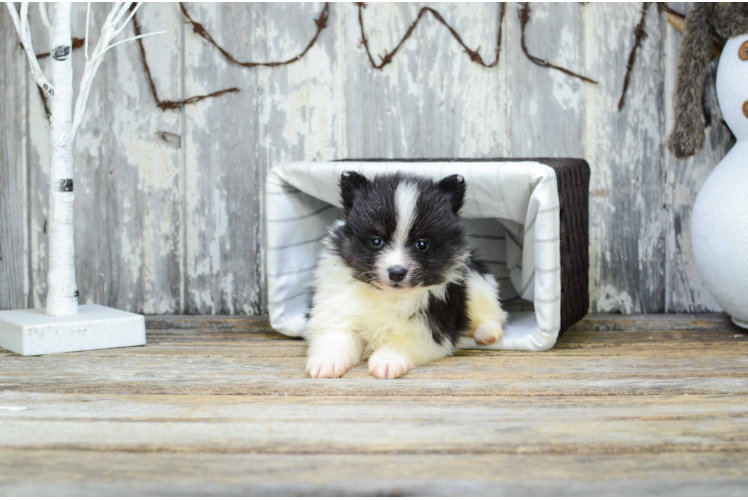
x,y
396,282
376,317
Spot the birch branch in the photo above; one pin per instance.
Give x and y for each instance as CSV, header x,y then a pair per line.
x,y
44,16
62,290
88,26
24,33
109,30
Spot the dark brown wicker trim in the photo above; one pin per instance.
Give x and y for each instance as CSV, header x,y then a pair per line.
x,y
573,179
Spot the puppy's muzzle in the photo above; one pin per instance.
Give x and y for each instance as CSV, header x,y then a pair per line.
x,y
397,275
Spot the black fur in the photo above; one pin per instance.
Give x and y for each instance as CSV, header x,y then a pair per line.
x,y
351,184
438,222
370,211
312,291
475,264
454,186
448,318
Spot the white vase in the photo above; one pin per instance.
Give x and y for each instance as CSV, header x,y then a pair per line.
x,y
719,224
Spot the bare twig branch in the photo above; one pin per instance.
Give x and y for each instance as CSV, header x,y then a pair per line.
x,y
524,18
21,24
110,29
388,56
88,25
128,40
198,28
47,112
663,6
639,34
43,15
133,10
164,105
676,22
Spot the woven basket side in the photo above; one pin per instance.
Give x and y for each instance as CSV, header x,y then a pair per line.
x,y
573,177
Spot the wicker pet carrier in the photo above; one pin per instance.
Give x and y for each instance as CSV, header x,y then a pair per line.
x,y
527,219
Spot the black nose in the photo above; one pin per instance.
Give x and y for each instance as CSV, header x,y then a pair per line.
x,y
397,274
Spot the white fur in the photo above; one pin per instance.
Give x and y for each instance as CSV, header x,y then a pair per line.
x,y
483,306
406,198
389,363
353,319
488,332
394,255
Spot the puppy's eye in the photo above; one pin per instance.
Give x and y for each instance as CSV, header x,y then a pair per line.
x,y
422,245
377,242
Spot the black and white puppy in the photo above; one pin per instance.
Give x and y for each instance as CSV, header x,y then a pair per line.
x,y
396,281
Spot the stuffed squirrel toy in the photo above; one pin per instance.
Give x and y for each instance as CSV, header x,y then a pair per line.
x,y
704,22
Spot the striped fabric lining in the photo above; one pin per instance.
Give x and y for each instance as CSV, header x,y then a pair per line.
x,y
303,215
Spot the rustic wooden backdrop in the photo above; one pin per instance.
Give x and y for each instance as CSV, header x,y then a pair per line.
x,y
169,203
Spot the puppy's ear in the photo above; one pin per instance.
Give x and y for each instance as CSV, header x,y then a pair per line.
x,y
350,185
454,186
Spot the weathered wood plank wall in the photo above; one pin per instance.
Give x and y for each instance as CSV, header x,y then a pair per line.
x,y
14,261
169,203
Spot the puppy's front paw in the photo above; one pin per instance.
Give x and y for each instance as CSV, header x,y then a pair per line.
x,y
326,367
488,332
389,364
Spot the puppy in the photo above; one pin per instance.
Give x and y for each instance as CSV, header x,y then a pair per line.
x,y
396,281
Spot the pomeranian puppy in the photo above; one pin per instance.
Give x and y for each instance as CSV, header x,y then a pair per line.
x,y
396,281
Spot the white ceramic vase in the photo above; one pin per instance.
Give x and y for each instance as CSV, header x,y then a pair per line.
x,y
719,224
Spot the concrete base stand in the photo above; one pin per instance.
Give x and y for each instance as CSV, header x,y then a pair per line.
x,y
31,332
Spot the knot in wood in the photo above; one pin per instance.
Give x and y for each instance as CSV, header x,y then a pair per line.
x,y
743,51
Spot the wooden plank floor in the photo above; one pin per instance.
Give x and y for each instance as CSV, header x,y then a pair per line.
x,y
623,405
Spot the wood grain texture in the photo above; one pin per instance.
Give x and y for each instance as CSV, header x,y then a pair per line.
x,y
261,363
14,259
546,109
592,322
219,410
625,151
432,101
362,426
223,181
52,472
127,168
301,111
134,186
684,287
170,204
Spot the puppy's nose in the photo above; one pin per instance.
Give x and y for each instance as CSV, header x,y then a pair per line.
x,y
397,274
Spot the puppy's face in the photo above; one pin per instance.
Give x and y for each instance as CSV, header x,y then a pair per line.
x,y
402,232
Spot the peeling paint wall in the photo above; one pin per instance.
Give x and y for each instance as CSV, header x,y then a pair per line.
x,y
169,204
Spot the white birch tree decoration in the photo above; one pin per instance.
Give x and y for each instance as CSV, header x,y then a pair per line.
x,y
64,327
